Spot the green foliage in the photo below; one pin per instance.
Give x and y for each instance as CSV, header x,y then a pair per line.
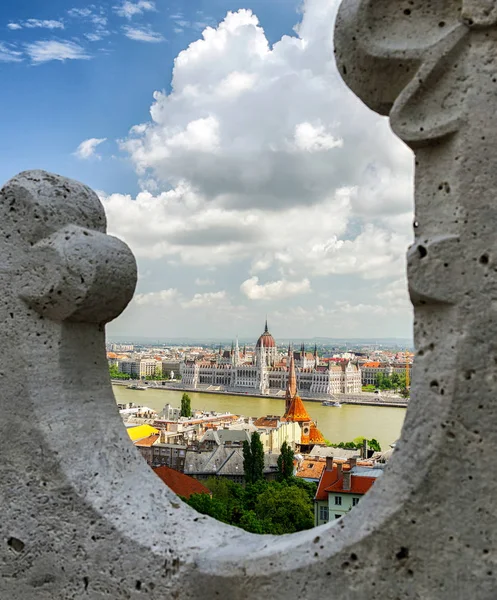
x,y
285,462
309,487
284,509
260,507
368,388
157,375
206,505
116,374
393,382
374,445
251,522
186,405
253,459
356,444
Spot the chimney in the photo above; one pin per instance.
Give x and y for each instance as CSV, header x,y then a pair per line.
x,y
346,480
353,462
365,448
329,463
339,470
162,437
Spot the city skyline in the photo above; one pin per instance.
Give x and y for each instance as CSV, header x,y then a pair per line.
x,y
253,182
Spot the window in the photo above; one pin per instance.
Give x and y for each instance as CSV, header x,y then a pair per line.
x,y
338,500
323,513
355,501
337,516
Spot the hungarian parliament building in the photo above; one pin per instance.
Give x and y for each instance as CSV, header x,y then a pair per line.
x,y
266,372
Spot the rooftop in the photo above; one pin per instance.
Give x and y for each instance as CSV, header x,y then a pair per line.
x,y
179,483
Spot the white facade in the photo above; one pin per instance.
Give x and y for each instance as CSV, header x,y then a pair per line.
x,y
268,376
140,367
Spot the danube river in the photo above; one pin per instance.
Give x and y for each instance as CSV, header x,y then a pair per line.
x,y
337,424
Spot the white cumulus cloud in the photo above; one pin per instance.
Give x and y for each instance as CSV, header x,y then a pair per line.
x,y
161,298
274,290
207,299
260,160
87,148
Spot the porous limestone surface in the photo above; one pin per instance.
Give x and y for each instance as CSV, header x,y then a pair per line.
x,y
83,515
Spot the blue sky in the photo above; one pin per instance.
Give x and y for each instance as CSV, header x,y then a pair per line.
x,y
247,179
49,107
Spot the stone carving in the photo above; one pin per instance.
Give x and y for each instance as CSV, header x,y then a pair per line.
x,y
84,517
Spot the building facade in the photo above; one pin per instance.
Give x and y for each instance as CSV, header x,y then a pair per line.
x,y
267,372
341,487
139,368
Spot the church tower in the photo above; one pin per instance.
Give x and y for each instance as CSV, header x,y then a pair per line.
x,y
291,388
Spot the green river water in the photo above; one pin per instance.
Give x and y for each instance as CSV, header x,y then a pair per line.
x,y
337,424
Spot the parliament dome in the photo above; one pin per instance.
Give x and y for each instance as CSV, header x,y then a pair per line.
x,y
266,340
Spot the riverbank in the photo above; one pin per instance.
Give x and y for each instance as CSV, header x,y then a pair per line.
x,y
364,399
336,424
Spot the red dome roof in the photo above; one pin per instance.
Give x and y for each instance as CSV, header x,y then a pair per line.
x,y
266,340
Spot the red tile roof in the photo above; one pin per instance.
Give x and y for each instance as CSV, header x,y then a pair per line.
x,y
358,485
181,484
327,478
267,422
329,482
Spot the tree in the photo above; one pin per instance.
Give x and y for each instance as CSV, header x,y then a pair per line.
x,y
250,522
116,374
253,459
356,444
186,405
285,462
206,505
374,445
284,508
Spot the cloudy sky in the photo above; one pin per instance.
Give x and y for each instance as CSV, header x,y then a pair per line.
x,y
229,155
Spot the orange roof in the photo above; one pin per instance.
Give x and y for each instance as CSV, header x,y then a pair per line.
x,y
371,365
147,442
267,421
358,485
181,484
297,411
330,482
311,469
111,355
315,436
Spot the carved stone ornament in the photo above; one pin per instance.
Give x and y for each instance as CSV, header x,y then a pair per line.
x,y
84,517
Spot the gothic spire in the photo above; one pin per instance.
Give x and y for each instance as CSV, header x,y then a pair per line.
x,y
237,352
291,388
266,330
